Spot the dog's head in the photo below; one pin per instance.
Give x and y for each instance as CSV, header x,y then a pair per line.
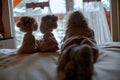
x,y
48,23
27,24
77,19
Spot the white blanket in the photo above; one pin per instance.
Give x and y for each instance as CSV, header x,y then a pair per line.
x,y
107,66
38,66
42,66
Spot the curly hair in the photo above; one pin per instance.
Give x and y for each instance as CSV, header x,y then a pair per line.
x,y
27,23
77,19
48,23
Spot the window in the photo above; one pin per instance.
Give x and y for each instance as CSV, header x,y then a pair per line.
x,y
57,7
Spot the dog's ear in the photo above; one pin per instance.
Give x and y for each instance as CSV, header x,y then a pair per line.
x,y
46,18
27,23
55,18
19,24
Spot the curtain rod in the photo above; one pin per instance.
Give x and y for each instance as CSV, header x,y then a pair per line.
x,y
39,4
91,0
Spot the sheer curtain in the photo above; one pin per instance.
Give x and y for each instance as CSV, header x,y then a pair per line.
x,y
95,14
55,7
38,12
93,11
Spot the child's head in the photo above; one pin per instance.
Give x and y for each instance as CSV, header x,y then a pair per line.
x,y
48,23
76,19
27,24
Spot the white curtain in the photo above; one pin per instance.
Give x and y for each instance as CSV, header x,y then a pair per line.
x,y
95,14
54,8
37,13
93,11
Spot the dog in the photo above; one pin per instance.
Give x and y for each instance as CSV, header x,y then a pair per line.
x,y
78,51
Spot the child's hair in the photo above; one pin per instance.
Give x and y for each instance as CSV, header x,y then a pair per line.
x,y
27,23
48,22
77,19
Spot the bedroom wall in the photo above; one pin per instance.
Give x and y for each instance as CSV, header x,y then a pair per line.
x,y
7,17
1,22
115,5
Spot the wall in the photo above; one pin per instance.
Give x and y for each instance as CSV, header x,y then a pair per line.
x,y
1,22
7,17
115,5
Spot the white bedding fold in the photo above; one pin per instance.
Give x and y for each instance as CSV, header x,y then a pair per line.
x,y
42,66
107,66
29,67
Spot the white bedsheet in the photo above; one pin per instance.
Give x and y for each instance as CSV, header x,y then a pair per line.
x,y
42,66
107,66
29,67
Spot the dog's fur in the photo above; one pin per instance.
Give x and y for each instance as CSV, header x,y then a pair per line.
x,y
78,25
48,42
78,51
27,24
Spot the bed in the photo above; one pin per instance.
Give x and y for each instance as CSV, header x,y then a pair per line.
x,y
42,66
